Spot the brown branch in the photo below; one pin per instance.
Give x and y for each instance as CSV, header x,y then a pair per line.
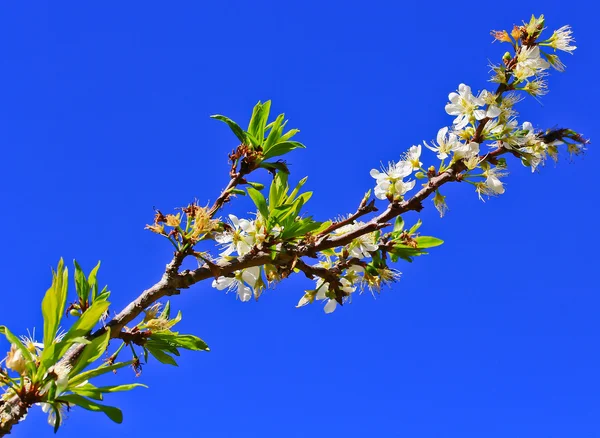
x,y
362,210
226,193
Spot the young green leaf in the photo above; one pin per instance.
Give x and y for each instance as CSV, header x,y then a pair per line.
x,y
277,190
161,356
93,281
255,185
53,304
399,224
297,189
82,287
275,132
88,320
189,342
282,149
239,132
415,227
111,412
259,201
258,122
91,352
428,241
276,166
288,135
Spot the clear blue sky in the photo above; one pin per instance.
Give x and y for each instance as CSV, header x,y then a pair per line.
x,y
104,114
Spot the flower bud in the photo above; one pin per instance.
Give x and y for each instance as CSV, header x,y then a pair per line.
x,y
15,360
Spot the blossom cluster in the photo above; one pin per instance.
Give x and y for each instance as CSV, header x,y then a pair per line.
x,y
239,238
489,117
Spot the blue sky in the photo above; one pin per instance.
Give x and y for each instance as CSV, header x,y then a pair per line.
x,y
104,115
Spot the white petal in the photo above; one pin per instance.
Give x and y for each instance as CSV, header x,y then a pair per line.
x,y
224,237
493,111
244,292
245,224
441,135
222,282
322,293
234,220
330,306
479,114
453,109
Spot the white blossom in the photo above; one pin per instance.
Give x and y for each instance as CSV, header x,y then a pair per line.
x,y
493,182
362,246
465,106
390,181
445,143
240,239
466,150
529,63
492,186
323,290
31,344
562,39
241,282
413,156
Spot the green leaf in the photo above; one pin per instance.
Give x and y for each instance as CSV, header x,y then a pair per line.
x,y
282,149
301,227
288,135
275,132
91,352
89,390
53,304
415,227
120,388
259,201
58,415
258,122
276,166
189,342
255,185
161,356
103,296
88,320
93,281
237,192
239,132
428,241
102,369
399,224
297,189
166,312
277,190
82,286
111,412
